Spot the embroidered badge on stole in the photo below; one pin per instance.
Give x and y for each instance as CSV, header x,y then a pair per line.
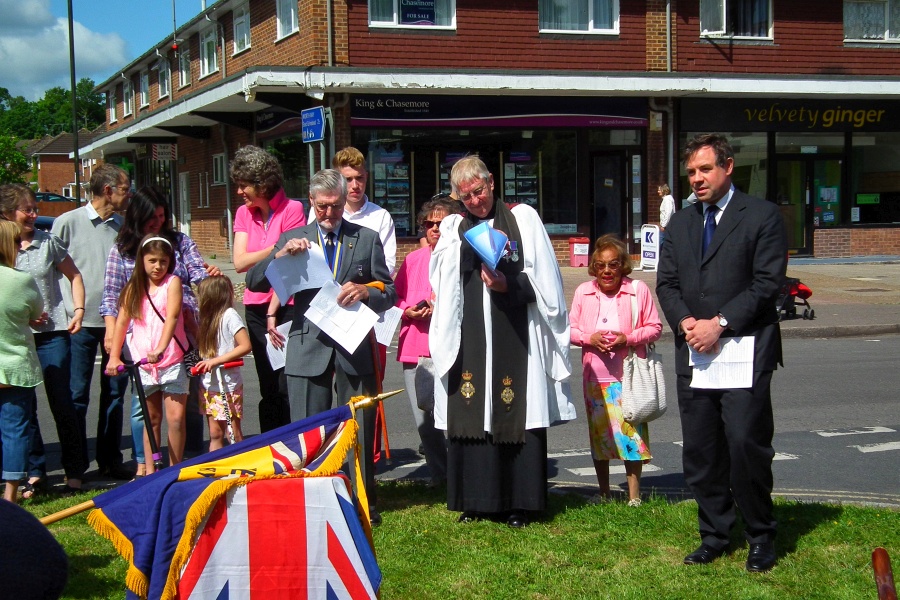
x,y
467,389
507,395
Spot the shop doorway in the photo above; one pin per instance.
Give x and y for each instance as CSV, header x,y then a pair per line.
x,y
808,193
608,178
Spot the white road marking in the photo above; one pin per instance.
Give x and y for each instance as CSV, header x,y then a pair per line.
x,y
613,470
569,453
878,447
861,430
782,456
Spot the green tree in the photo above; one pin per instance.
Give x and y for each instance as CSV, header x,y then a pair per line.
x,y
13,164
52,114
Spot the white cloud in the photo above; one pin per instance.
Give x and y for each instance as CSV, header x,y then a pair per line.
x,y
34,56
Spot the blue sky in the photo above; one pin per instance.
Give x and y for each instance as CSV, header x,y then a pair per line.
x,y
34,48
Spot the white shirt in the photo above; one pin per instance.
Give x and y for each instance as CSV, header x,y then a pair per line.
x,y
372,216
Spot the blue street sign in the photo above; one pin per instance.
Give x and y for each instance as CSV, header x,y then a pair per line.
x,y
313,124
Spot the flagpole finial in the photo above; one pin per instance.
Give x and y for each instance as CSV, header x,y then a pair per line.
x,y
369,401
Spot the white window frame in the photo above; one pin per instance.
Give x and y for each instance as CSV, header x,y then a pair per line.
x,y
184,67
111,105
219,169
145,88
886,38
721,29
286,18
395,21
163,77
614,30
128,98
209,62
241,19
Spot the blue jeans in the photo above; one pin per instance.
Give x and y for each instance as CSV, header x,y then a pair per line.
x,y
53,349
16,404
112,394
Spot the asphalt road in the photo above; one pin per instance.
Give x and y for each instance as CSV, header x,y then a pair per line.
x,y
836,412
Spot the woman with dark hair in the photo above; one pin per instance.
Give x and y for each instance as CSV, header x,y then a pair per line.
x,y
44,257
266,214
148,213
605,325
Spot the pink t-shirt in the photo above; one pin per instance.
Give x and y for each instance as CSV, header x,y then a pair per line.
x,y
412,287
285,214
147,331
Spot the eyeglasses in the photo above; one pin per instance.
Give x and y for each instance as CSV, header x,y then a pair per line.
x,y
322,208
430,224
28,211
613,265
472,194
441,196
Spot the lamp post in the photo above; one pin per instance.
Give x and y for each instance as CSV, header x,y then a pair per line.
x,y
74,103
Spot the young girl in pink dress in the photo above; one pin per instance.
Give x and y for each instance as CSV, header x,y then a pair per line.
x,y
601,324
150,315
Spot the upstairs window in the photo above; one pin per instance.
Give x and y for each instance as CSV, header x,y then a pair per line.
x,y
209,58
579,16
872,19
287,17
401,13
184,67
736,18
164,75
241,28
111,105
128,95
145,88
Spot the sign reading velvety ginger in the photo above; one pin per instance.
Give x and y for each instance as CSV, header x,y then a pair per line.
x,y
773,114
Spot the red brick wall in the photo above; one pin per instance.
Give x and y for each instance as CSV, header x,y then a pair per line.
x,y
56,171
829,243
498,34
808,39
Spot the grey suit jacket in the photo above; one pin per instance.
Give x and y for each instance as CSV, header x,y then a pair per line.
x,y
309,349
740,275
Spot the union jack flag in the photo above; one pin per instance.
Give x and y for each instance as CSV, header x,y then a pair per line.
x,y
153,521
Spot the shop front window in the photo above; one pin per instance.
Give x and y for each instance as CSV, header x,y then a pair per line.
x,y
875,178
291,153
750,164
407,167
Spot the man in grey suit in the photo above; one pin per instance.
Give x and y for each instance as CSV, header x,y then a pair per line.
x,y
721,267
315,363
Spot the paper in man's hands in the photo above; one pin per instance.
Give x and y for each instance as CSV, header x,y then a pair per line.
x,y
277,356
387,325
295,272
730,367
488,243
347,326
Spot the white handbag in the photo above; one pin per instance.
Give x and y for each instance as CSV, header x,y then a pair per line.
x,y
643,384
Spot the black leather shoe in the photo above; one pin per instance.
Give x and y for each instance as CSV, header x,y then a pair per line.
x,y
374,517
468,517
517,520
761,558
117,472
704,555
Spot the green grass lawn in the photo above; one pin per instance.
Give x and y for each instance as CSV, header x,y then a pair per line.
x,y
578,551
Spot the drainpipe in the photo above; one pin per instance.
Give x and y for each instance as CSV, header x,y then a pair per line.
x,y
669,38
330,35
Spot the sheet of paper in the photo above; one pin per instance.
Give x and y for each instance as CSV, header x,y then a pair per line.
x,y
488,243
387,325
731,367
302,271
347,326
277,357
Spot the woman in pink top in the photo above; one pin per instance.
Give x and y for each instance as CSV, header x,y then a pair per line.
x,y
414,297
265,215
601,323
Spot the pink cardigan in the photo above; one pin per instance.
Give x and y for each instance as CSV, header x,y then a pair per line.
x,y
412,287
583,322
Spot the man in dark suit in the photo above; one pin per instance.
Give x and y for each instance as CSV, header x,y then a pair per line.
x,y
315,363
721,267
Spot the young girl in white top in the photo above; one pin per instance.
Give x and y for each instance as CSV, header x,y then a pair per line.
x,y
223,338
150,314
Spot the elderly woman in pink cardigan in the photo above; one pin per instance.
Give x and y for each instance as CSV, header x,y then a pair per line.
x,y
414,296
601,323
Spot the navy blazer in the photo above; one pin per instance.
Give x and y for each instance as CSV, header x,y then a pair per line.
x,y
310,350
740,276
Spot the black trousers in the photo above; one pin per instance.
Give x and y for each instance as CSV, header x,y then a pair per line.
x,y
274,410
727,457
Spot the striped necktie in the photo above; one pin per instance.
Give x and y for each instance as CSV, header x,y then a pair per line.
x,y
329,249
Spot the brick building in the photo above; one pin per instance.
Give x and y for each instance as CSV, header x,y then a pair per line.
x,y
578,107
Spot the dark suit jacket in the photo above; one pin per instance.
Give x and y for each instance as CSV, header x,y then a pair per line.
x,y
310,350
740,276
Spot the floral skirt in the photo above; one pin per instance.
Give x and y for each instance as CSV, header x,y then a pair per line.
x,y
611,436
215,404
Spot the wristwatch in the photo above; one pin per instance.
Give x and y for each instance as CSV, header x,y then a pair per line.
x,y
723,322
